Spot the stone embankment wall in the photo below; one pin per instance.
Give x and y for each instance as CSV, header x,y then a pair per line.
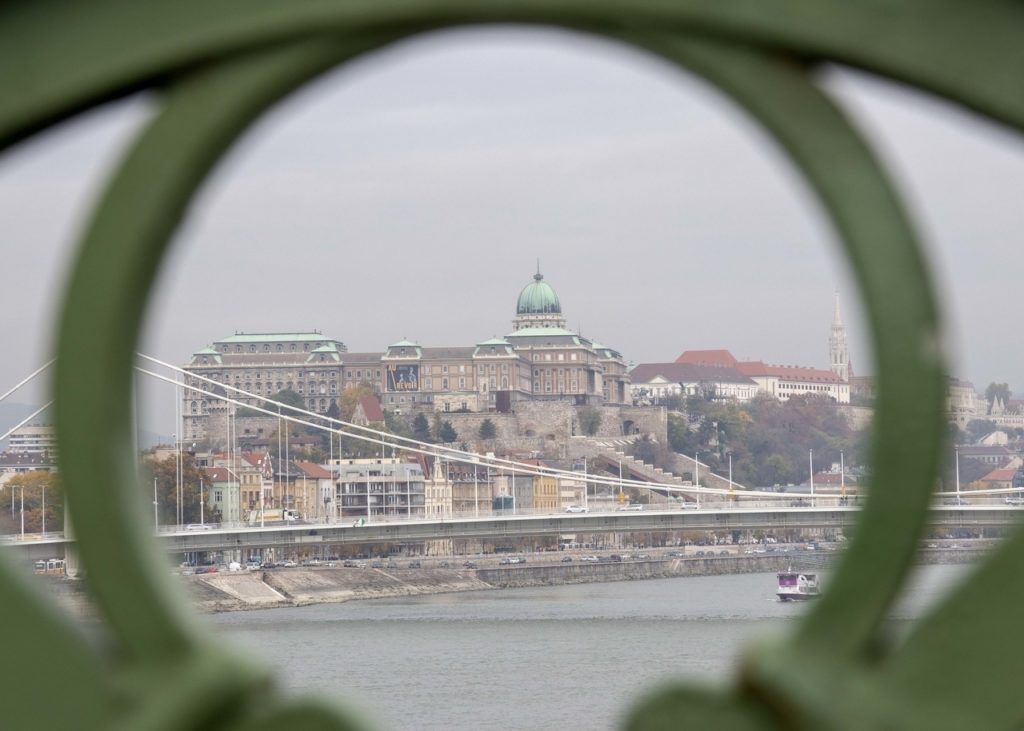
x,y
231,591
582,573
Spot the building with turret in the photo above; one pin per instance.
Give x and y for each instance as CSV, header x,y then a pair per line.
x,y
539,360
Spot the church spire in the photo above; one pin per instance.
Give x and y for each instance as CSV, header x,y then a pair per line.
x,y
839,354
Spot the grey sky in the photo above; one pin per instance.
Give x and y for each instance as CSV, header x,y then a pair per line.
x,y
410,195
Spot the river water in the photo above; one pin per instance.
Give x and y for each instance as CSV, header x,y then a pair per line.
x,y
560,657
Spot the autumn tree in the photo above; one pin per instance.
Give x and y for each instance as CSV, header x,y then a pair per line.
x,y
165,472
31,490
351,396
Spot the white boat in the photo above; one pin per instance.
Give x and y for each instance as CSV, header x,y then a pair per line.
x,y
797,587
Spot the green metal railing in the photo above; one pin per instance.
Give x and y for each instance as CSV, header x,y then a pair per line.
x,y
215,66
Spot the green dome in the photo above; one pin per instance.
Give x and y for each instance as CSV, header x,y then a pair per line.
x,y
538,298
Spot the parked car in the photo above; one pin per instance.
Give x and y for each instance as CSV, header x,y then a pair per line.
x,y
444,565
376,564
469,565
566,559
414,564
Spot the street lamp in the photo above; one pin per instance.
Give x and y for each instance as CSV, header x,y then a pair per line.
x,y
956,452
810,462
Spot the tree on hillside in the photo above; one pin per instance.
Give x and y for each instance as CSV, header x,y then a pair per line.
x,y
999,391
674,402
447,433
36,487
768,439
396,424
351,396
166,474
645,449
421,428
487,430
590,420
680,437
979,428
285,397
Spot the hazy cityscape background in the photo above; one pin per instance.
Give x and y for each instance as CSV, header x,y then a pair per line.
x,y
409,196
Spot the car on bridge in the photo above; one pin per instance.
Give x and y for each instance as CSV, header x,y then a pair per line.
x,y
577,509
632,507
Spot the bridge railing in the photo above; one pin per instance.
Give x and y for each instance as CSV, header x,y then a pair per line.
x,y
213,68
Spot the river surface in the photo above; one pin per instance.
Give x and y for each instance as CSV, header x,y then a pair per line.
x,y
560,657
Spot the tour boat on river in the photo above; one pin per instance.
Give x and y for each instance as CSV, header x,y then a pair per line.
x,y
796,587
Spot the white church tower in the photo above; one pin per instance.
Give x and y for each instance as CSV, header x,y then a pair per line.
x,y
839,354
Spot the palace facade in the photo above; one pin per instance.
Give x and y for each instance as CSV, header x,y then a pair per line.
x,y
540,359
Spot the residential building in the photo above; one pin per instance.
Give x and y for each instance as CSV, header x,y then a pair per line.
x,y
778,381
39,439
786,381
314,484
651,383
223,492
369,488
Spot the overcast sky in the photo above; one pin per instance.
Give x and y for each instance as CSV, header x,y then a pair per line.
x,y
410,195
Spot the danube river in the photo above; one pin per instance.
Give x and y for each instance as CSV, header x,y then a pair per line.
x,y
560,657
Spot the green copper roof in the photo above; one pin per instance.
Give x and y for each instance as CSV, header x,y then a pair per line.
x,y
404,344
207,351
495,341
538,298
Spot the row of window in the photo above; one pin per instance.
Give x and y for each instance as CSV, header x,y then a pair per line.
x,y
278,347
254,375
554,356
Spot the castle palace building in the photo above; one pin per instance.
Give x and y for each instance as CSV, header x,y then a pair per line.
x,y
539,360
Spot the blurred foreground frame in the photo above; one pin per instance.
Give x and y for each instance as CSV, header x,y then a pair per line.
x,y
214,67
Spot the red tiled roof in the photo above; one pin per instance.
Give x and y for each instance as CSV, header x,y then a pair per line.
x,y
219,474
314,471
790,373
720,357
1001,474
686,373
371,408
